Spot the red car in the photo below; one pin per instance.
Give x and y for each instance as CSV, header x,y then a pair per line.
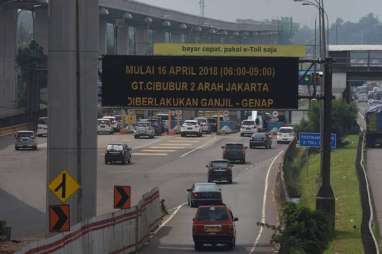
x,y
214,224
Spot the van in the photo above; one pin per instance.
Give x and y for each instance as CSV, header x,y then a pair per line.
x,y
104,126
247,128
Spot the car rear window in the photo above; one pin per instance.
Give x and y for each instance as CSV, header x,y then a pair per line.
x,y
24,134
285,130
219,164
190,123
115,147
234,146
248,122
212,214
205,187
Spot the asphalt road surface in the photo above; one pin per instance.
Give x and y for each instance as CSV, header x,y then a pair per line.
x,y
172,163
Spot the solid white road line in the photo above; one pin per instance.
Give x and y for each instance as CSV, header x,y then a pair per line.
x,y
169,218
263,212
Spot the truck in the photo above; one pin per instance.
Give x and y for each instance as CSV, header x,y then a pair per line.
x,y
374,126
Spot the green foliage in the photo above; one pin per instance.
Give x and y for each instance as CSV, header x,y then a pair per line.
x,y
304,232
294,163
343,120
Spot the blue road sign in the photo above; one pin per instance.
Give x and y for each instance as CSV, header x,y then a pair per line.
x,y
312,140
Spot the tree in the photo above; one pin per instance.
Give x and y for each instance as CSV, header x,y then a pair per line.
x,y
32,63
343,120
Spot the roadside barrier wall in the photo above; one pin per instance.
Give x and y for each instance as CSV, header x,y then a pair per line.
x,y
369,239
124,231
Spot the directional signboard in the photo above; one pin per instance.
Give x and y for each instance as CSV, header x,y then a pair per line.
x,y
122,197
179,82
64,186
59,218
312,140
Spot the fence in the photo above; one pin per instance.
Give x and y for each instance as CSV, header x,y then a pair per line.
x,y
124,231
369,240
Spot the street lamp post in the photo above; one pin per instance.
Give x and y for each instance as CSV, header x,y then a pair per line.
x,y
325,201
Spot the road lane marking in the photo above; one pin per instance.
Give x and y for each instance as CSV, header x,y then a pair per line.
x,y
183,141
169,218
263,212
148,144
167,147
198,148
174,145
157,150
150,154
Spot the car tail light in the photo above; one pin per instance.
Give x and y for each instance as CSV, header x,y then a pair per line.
x,y
228,228
197,228
195,195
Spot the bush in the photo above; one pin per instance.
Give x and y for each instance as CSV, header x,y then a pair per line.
x,y
304,231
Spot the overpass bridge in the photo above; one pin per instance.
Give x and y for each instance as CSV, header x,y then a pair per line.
x,y
135,27
354,63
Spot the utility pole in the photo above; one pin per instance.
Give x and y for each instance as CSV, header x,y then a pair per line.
x,y
325,201
202,4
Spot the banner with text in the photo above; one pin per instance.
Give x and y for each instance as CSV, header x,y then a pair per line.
x,y
254,50
200,82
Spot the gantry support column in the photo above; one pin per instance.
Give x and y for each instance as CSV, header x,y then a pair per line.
x,y
72,107
102,36
8,47
141,40
123,39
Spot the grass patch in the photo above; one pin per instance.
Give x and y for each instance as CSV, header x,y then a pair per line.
x,y
346,190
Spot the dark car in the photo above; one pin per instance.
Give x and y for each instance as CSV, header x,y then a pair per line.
x,y
204,194
118,152
219,170
234,152
214,225
260,139
212,123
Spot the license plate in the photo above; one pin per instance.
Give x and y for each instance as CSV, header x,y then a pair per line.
x,y
212,229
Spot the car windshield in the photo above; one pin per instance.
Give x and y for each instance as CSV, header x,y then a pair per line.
x,y
43,120
103,122
212,214
190,123
285,130
219,164
206,187
114,147
234,146
248,122
24,134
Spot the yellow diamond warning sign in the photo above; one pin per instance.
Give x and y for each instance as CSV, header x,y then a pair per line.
x,y
64,186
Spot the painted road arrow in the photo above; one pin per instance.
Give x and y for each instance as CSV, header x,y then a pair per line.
x,y
122,197
59,218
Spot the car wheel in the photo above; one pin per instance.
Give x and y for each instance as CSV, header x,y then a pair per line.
x,y
106,162
135,136
230,181
129,160
16,148
34,148
198,246
182,135
232,245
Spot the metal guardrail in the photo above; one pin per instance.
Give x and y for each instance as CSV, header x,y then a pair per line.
x,y
369,239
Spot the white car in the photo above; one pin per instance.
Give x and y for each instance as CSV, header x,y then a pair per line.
x,y
203,124
42,127
114,122
285,135
191,127
104,126
247,128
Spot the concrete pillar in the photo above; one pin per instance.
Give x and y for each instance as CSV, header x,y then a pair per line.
x,y
123,40
102,36
141,43
72,143
41,21
8,45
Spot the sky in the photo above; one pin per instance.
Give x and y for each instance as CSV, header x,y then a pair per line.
x,y
230,10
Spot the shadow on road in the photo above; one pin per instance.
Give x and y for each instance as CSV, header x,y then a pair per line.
x,y
26,222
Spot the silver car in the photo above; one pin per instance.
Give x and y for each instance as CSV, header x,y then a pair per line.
x,y
25,140
144,129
